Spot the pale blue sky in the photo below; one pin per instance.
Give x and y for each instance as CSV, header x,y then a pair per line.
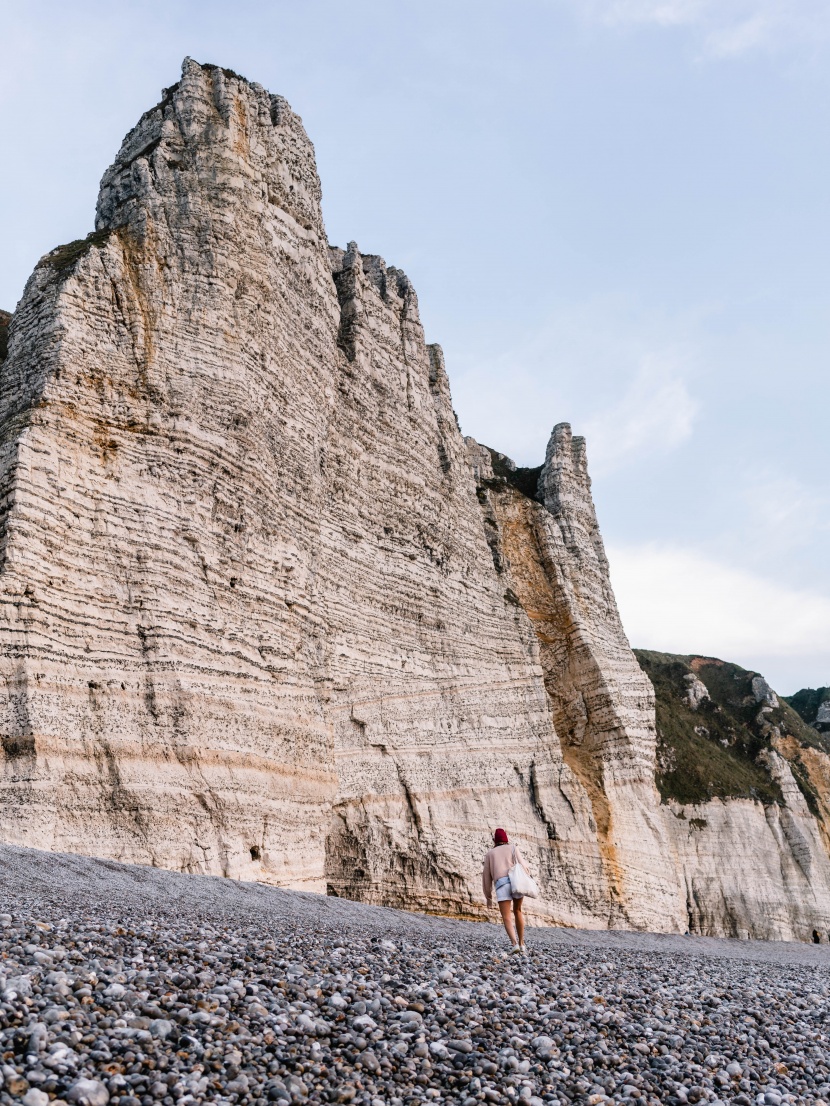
x,y
615,213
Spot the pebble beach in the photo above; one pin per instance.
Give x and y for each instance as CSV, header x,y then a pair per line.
x,y
133,986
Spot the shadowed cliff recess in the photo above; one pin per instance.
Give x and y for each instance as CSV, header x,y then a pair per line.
x,y
266,614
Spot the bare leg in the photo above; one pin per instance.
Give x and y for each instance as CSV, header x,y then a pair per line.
x,y
507,918
520,920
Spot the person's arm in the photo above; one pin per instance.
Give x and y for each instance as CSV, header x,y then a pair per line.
x,y
487,881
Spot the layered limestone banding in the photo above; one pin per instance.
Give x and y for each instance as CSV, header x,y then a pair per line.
x,y
751,870
603,705
162,504
746,790
251,624
265,613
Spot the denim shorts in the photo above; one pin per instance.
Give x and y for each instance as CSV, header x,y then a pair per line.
x,y
504,892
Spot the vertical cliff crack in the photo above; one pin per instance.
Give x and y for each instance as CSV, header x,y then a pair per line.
x,y
538,805
410,801
410,402
436,370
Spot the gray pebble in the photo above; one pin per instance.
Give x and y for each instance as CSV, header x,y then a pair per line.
x,y
88,1092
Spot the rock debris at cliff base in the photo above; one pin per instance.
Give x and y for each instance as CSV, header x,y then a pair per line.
x,y
130,986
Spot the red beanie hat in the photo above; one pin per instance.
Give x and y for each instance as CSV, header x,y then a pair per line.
x,y
500,837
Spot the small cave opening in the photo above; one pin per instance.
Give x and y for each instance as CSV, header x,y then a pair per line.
x,y
256,853
816,937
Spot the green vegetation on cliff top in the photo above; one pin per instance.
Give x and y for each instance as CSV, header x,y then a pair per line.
x,y
63,258
524,480
712,751
806,704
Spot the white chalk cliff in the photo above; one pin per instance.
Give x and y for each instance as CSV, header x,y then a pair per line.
x,y
265,613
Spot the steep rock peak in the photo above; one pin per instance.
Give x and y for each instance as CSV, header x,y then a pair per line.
x,y
565,490
213,132
370,293
390,283
564,474
480,459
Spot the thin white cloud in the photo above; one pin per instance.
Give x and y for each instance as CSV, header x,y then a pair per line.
x,y
655,415
665,13
680,601
573,366
724,28
783,513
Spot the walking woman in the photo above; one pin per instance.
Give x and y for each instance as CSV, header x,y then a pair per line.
x,y
497,863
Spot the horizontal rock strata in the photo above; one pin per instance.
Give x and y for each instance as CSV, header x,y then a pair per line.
x,y
250,620
264,612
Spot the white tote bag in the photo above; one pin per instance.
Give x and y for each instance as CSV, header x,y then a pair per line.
x,y
521,884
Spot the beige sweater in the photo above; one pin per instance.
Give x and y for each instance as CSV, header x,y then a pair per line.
x,y
498,863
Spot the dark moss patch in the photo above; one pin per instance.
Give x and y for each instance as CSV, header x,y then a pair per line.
x,y
64,257
524,480
5,320
807,702
167,95
711,752
228,72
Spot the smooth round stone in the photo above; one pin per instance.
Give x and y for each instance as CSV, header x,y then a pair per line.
x,y
35,1097
88,1092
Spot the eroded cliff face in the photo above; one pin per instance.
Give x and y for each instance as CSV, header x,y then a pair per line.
x,y
551,551
736,841
440,722
5,320
265,613
162,504
250,620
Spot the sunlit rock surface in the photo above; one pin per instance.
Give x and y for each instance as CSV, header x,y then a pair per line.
x,y
264,613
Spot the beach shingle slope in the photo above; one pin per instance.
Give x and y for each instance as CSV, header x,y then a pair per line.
x,y
131,986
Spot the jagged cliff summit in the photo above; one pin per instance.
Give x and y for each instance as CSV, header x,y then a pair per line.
x,y
265,613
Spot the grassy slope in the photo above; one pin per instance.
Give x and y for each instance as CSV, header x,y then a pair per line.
x,y
807,701
712,752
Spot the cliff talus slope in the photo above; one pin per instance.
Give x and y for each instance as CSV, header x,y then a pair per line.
x,y
265,613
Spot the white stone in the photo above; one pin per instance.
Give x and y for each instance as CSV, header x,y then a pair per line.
x,y
88,1092
696,690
